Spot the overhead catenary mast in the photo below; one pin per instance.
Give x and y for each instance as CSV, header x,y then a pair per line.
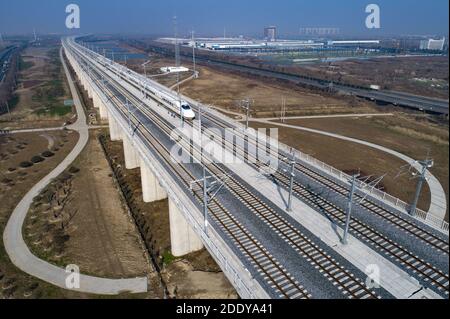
x,y
177,52
177,64
193,53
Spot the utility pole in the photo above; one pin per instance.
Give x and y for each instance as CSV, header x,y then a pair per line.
x,y
205,191
283,110
245,104
177,64
349,209
193,53
426,164
129,113
9,112
291,183
177,52
205,178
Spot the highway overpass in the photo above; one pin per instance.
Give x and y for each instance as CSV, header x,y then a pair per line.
x,y
265,249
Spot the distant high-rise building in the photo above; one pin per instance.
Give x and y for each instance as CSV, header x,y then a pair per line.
x,y
431,44
270,33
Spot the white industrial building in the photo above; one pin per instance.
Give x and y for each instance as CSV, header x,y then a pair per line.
x,y
174,69
431,44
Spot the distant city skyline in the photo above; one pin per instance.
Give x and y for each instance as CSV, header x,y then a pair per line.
x,y
208,18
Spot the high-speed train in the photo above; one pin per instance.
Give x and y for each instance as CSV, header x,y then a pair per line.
x,y
179,107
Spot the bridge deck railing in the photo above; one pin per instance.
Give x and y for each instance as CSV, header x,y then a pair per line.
x,y
226,261
425,217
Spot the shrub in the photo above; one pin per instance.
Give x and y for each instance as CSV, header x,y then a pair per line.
x,y
6,181
168,258
25,164
73,170
48,154
37,159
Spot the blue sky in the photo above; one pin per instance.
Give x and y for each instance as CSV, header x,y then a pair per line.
x,y
209,17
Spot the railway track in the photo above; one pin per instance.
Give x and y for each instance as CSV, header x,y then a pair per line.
x,y
344,280
273,273
419,267
399,222
394,251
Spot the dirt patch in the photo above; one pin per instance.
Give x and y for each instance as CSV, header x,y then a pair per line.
x,y
185,282
79,219
16,149
153,222
417,75
31,83
225,90
41,92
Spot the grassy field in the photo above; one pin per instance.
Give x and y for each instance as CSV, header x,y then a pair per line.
x,y
352,158
226,90
417,75
41,92
24,65
15,182
414,137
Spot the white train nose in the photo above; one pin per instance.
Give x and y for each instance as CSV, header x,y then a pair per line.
x,y
188,114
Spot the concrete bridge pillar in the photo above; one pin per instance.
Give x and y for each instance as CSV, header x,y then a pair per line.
x,y
103,109
89,89
151,190
183,239
84,82
114,130
96,100
131,156
98,104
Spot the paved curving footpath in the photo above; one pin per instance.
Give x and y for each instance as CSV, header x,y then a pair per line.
x,y
438,206
16,247
308,117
